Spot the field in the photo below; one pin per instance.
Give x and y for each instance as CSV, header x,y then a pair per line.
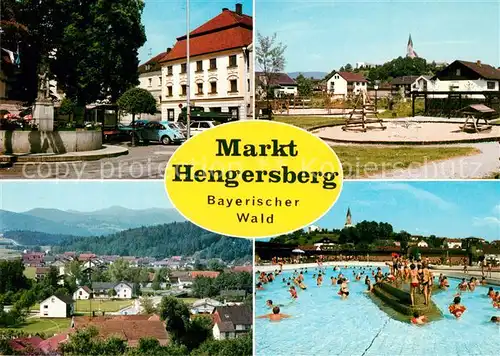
x,y
46,326
308,122
29,272
83,306
188,301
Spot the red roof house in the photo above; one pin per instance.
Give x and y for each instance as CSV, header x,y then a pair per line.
x,y
209,274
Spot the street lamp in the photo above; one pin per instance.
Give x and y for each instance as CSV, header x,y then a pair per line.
x,y
188,76
377,82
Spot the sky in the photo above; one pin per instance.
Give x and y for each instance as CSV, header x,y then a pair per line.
x,y
20,196
444,208
165,20
322,35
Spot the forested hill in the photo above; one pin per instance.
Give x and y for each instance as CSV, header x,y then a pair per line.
x,y
165,240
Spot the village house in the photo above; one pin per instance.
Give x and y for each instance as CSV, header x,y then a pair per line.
x,y
205,306
231,321
345,83
281,84
221,69
123,290
82,292
130,328
453,243
33,259
422,243
57,306
464,76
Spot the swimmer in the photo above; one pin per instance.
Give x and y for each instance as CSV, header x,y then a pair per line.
x,y
483,281
293,292
369,286
463,285
275,315
418,319
456,308
269,304
472,284
491,293
414,284
444,283
334,281
495,319
258,286
344,290
319,281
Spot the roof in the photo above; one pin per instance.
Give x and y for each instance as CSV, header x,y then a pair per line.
x,y
24,342
238,314
352,77
225,326
480,108
201,302
64,298
127,327
108,285
248,269
42,270
86,289
228,30
278,79
233,293
52,343
453,240
405,80
209,274
153,63
484,70
86,256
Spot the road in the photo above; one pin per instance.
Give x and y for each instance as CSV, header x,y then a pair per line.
x,y
142,162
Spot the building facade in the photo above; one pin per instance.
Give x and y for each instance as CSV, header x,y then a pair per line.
x,y
345,83
463,76
56,307
220,68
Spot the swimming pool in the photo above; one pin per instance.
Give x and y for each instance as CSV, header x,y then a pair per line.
x,y
323,324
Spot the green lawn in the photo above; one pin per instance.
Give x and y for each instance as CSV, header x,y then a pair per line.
x,y
83,306
43,325
29,272
308,122
188,301
361,161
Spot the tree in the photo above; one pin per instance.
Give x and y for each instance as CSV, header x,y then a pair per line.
x,y
87,339
176,316
199,330
241,346
119,270
137,101
348,67
215,265
270,58
304,85
148,306
67,107
112,293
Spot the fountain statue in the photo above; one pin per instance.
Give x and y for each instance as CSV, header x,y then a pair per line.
x,y
43,111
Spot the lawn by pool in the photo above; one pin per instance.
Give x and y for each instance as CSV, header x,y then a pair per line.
x,y
43,325
323,324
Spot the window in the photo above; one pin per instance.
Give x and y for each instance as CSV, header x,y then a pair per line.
x,y
199,66
169,70
183,89
200,88
150,82
204,125
45,306
159,98
490,85
336,77
169,90
234,85
458,72
232,60
159,81
213,88
213,63
80,293
183,67
248,84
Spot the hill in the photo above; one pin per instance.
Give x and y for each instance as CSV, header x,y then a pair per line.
x,y
314,75
178,238
100,222
36,238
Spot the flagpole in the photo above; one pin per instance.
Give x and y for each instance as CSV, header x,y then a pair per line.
x,y
188,76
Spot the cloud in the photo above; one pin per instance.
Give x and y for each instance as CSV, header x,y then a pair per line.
x,y
417,193
487,221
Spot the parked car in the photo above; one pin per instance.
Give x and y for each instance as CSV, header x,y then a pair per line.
x,y
164,132
197,127
198,113
181,127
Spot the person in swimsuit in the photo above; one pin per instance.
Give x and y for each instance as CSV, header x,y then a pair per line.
x,y
427,283
495,319
456,308
483,281
472,284
275,315
489,269
491,293
293,292
369,286
418,319
463,285
344,290
319,280
414,284
258,286
444,283
334,281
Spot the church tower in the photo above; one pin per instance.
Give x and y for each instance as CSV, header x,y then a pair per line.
x,y
348,219
410,52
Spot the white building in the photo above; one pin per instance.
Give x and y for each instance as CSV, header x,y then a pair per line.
x,y
221,72
56,307
205,306
422,243
453,243
231,321
463,76
345,83
83,292
281,83
124,290
423,83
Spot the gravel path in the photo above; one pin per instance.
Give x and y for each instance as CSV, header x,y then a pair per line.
x,y
476,166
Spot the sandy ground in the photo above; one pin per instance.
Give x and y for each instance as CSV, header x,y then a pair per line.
x,y
407,132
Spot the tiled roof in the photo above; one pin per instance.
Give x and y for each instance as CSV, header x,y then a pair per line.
x,y
405,80
352,77
65,298
153,63
238,314
128,327
277,79
228,30
24,342
242,269
484,70
52,344
209,274
42,270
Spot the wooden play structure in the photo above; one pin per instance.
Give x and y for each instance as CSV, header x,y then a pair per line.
x,y
476,118
362,114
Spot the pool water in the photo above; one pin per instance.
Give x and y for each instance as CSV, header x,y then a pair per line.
x,y
324,324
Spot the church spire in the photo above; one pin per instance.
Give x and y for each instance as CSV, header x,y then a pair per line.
x,y
410,52
348,218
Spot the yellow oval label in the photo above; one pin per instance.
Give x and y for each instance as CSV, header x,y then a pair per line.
x,y
253,179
